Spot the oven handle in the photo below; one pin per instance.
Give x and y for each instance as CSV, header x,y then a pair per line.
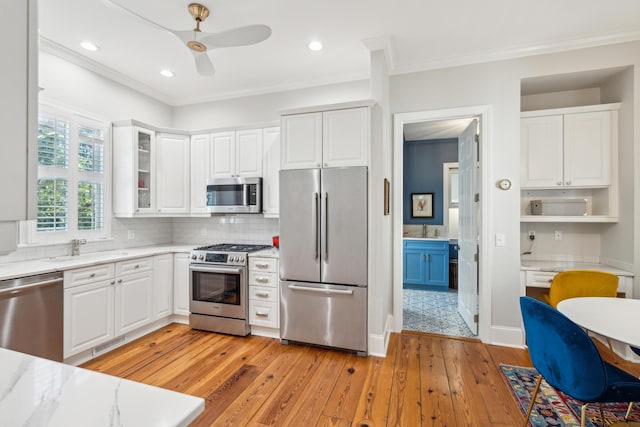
x,y
223,270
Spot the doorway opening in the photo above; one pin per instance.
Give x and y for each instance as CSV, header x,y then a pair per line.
x,y
437,287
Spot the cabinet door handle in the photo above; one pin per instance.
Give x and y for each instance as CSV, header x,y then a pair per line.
x,y
119,280
262,279
262,294
568,182
262,314
261,265
113,282
92,275
137,266
559,182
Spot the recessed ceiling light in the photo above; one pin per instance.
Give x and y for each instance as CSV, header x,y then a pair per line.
x,y
167,73
89,46
315,46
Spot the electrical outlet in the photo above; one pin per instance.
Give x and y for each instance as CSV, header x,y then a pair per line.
x,y
532,235
131,234
557,235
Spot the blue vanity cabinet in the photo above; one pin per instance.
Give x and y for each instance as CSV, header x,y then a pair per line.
x,y
426,262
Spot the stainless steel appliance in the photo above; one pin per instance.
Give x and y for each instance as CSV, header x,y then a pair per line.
x,y
31,315
218,288
323,257
234,195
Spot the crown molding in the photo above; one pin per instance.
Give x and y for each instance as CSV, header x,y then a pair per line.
x,y
56,49
521,52
384,44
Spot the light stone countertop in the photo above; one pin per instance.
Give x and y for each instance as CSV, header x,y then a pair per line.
x,y
558,266
48,265
266,253
41,392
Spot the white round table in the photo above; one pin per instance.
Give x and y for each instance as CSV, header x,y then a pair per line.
x,y
616,318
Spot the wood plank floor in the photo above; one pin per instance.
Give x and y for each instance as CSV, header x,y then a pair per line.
x,y
425,380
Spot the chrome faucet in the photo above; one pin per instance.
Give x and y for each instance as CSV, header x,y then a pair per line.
x,y
75,246
425,230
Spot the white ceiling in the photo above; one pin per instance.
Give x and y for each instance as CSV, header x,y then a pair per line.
x,y
421,34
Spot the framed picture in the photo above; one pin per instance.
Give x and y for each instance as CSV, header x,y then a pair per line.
x,y
421,205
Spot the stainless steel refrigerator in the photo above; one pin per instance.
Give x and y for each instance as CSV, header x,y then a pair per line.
x,y
323,257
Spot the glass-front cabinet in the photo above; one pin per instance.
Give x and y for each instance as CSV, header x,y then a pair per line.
x,y
144,165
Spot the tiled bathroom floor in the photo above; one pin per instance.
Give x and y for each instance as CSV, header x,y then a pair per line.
x,y
433,311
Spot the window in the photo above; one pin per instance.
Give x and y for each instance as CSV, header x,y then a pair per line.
x,y
72,178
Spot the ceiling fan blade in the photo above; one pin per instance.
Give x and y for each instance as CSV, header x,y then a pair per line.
x,y
203,64
242,36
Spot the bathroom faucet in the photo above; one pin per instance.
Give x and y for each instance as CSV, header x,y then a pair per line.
x,y
75,246
425,230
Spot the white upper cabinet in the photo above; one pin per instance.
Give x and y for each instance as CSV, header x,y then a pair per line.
x,y
301,141
570,149
237,153
271,170
345,137
134,150
248,153
223,146
333,138
173,173
200,171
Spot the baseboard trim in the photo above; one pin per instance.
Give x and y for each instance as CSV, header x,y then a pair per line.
x,y
507,337
378,342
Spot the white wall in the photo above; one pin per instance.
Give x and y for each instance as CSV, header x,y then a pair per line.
x,y
264,108
498,84
566,98
69,85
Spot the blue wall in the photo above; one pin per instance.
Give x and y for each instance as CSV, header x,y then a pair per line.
x,y
423,174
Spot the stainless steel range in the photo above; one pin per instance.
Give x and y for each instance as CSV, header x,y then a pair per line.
x,y
218,288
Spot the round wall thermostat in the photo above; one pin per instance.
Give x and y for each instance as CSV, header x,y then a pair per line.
x,y
504,184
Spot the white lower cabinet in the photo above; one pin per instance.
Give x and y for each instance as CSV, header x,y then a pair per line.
x,y
88,315
105,301
181,284
264,301
162,285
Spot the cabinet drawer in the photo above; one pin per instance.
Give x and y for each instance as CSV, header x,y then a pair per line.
x,y
540,279
263,279
263,264
260,293
84,275
427,244
134,266
263,313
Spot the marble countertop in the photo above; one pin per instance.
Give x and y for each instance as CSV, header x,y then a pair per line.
x,y
267,253
40,392
558,266
48,265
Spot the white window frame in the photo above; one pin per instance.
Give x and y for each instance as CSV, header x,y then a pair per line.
x,y
29,235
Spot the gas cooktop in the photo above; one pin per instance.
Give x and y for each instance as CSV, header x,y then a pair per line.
x,y
224,253
232,247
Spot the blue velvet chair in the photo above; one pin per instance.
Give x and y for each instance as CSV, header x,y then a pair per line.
x,y
569,361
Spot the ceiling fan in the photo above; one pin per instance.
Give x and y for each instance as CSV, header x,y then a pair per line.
x,y
200,42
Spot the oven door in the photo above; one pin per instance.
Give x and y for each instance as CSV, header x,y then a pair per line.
x,y
218,291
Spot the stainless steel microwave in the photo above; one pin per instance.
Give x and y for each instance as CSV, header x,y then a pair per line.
x,y
234,195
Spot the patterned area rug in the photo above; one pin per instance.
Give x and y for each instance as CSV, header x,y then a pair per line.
x,y
433,311
554,408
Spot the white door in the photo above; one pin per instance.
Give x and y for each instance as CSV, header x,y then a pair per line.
x,y
587,149
468,228
541,152
345,137
133,301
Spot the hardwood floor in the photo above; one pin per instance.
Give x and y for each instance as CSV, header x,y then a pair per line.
x,y
425,380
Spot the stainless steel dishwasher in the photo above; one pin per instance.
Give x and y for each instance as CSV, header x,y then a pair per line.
x,y
31,315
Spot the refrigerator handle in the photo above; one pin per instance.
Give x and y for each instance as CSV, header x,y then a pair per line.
x,y
325,235
314,224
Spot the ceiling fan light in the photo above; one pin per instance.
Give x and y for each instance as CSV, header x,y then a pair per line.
x,y
315,46
167,73
89,46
